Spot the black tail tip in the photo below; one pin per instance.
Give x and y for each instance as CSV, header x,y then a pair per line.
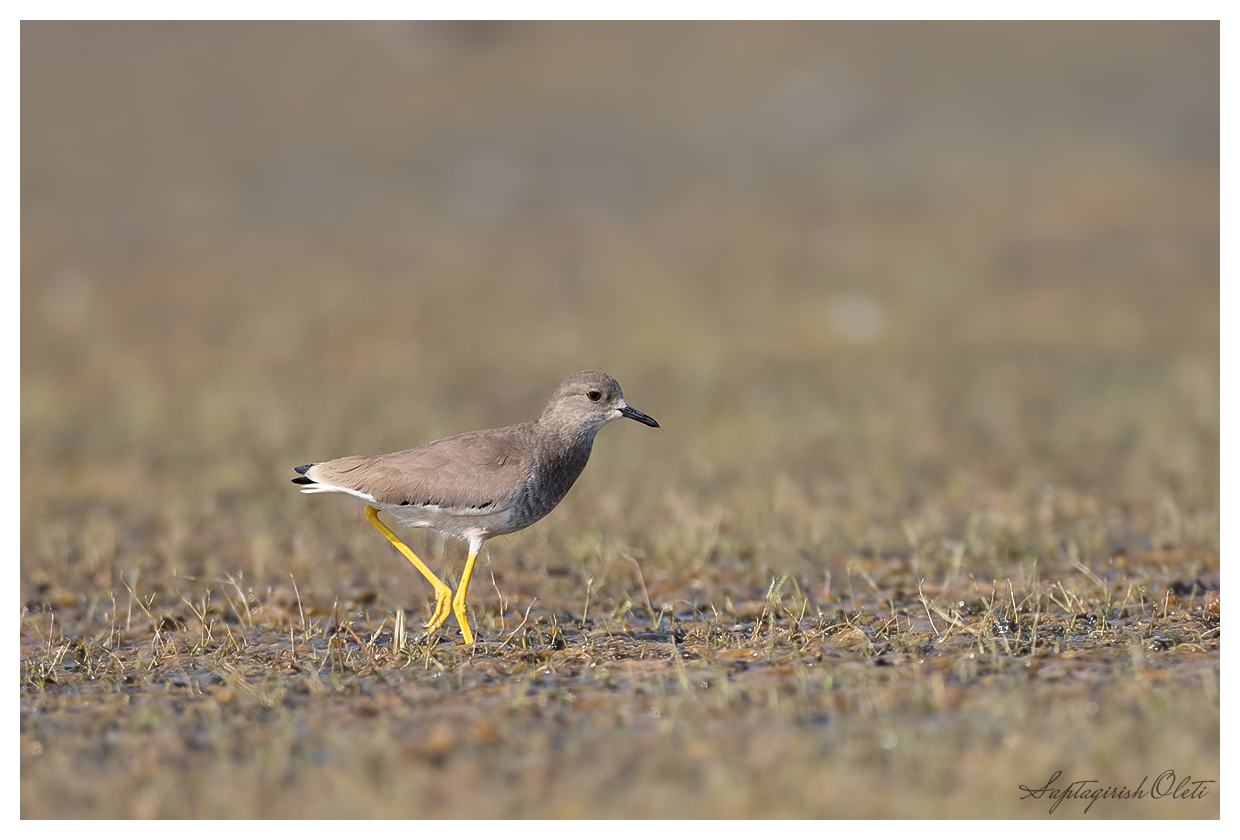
x,y
302,478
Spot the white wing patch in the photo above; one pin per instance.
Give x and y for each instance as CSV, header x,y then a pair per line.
x,y
332,488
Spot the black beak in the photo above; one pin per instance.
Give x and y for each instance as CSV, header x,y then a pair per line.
x,y
633,414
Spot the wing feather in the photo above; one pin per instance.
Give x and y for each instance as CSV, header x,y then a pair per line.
x,y
474,470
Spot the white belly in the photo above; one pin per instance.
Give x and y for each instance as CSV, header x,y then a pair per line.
x,y
461,524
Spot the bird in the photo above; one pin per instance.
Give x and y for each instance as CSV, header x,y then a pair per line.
x,y
478,485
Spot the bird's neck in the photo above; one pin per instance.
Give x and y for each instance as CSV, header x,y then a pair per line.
x,y
559,443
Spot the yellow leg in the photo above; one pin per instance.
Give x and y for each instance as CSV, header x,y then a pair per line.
x,y
458,601
442,593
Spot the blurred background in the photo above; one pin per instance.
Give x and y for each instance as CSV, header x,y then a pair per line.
x,y
881,284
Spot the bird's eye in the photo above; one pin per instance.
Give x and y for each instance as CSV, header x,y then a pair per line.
x,y
594,396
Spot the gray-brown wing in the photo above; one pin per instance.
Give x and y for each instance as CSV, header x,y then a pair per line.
x,y
474,470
